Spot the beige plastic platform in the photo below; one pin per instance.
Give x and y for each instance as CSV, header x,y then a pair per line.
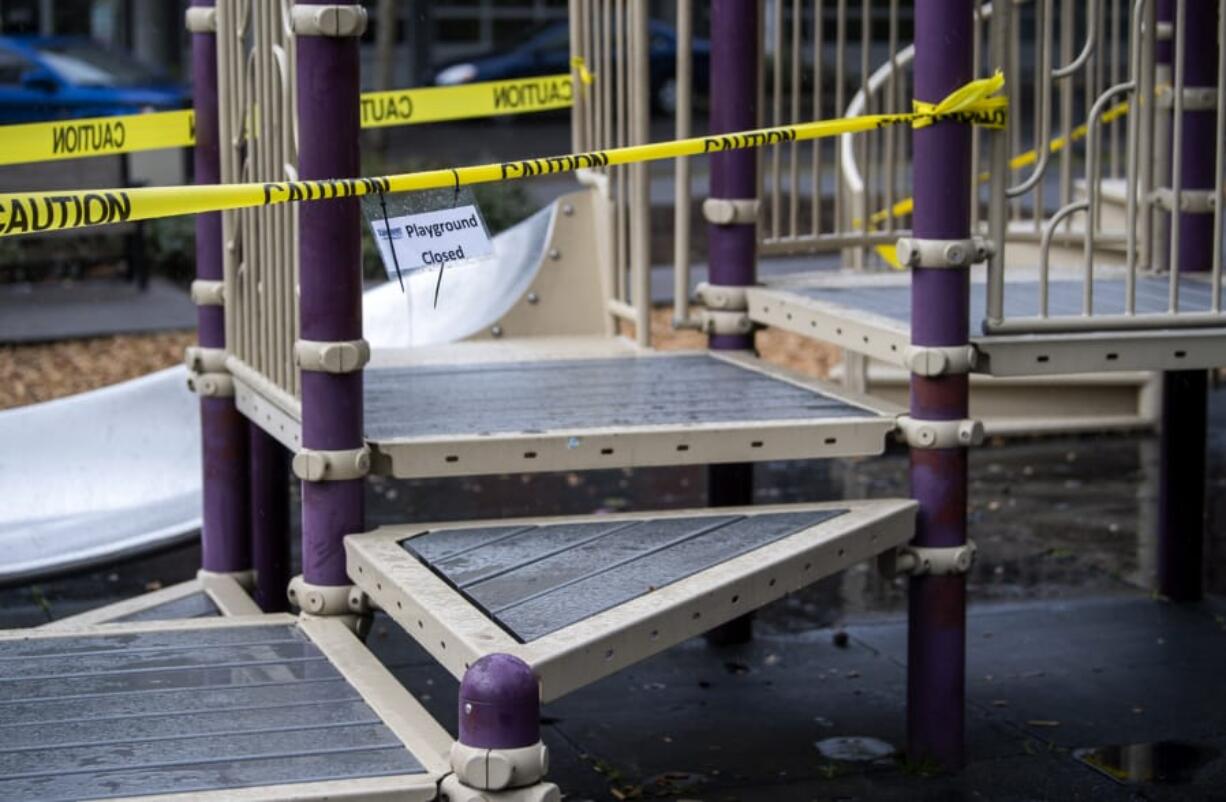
x,y
869,313
247,708
580,598
208,595
467,413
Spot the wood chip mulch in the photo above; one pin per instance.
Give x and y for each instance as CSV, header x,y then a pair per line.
x,y
40,372
33,373
778,347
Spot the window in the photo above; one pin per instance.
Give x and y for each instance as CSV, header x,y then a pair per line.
x,y
12,67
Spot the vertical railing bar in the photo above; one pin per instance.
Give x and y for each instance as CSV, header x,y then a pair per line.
x,y
681,167
840,58
273,305
891,134
1068,25
264,149
289,267
578,142
621,255
1042,103
640,206
606,66
294,243
591,48
816,211
1115,34
1138,101
1015,96
591,58
1181,10
1146,101
777,116
999,41
866,30
761,179
976,132
794,147
1094,139
1219,186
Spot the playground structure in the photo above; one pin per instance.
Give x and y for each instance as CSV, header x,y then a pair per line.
x,y
525,611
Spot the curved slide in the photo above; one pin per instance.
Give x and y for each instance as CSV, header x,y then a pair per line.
x,y
115,472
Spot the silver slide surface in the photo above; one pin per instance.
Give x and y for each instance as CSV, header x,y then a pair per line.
x,y
115,472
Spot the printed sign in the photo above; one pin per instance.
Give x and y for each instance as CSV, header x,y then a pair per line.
x,y
430,239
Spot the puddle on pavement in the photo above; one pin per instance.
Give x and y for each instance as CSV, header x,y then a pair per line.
x,y
854,749
1164,762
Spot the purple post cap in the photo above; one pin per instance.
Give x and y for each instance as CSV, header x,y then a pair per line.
x,y
500,704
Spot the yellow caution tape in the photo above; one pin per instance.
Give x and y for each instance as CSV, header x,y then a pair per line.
x,y
580,66
107,136
23,213
96,136
905,206
969,104
466,101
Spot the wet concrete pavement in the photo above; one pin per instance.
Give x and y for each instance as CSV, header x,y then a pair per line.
x,y
1066,648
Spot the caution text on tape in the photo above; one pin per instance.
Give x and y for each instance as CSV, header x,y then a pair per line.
x,y
23,213
106,136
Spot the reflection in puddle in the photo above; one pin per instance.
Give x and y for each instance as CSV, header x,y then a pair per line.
x,y
1159,762
855,749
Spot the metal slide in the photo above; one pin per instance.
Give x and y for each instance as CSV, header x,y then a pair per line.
x,y
115,472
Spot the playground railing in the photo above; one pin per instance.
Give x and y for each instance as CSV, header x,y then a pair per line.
x,y
610,40
258,134
1081,179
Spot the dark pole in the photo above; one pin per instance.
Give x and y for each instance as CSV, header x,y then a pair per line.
x,y
936,648
224,534
270,555
733,246
499,745
330,286
1181,506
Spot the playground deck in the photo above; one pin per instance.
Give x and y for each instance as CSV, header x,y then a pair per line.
x,y
629,410
871,314
186,708
580,598
206,596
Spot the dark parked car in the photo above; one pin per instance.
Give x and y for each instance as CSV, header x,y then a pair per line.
x,y
57,77
547,52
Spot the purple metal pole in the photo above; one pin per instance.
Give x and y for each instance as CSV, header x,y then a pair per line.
x,y
330,287
734,107
1181,506
223,431
733,248
936,646
269,519
500,705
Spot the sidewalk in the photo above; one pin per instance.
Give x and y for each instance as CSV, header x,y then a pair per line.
x,y
64,310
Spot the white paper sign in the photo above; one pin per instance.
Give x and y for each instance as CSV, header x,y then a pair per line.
x,y
431,239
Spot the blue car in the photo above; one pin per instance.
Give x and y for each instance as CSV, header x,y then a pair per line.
x,y
547,52
59,77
